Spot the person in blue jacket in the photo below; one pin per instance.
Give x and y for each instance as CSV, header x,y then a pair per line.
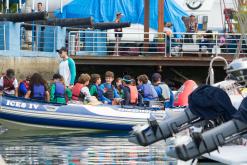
x,y
24,87
110,93
164,92
146,89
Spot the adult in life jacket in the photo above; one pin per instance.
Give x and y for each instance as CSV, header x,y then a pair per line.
x,y
8,83
24,87
58,90
95,90
131,95
164,92
109,91
146,89
38,88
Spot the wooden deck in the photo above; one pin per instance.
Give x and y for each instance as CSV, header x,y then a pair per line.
x,y
147,60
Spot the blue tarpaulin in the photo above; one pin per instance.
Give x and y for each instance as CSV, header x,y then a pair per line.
x,y
133,10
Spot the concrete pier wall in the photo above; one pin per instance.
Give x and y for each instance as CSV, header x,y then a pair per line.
x,y
24,66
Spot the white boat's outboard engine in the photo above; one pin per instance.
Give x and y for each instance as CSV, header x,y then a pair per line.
x,y
212,139
225,133
204,104
154,131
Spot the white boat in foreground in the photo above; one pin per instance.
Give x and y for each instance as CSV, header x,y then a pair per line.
x,y
19,113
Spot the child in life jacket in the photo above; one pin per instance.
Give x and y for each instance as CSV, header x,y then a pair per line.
x,y
58,90
109,91
24,87
164,92
95,90
80,91
8,83
130,92
146,89
38,88
119,86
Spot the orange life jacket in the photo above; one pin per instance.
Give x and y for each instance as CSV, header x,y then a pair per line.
x,y
133,94
76,91
181,97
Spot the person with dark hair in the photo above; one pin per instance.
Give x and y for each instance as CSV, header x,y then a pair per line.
x,y
95,89
146,89
164,92
119,86
67,67
118,34
109,91
24,87
58,90
38,88
40,7
130,92
8,83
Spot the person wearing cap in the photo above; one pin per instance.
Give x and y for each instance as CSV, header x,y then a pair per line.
x,y
118,34
24,86
164,92
130,92
191,27
67,68
8,83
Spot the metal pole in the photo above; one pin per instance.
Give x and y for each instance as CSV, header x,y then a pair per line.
x,y
47,6
61,6
20,7
4,37
146,23
32,5
7,6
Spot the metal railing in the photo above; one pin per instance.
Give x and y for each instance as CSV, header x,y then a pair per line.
x,y
101,43
3,37
206,44
38,38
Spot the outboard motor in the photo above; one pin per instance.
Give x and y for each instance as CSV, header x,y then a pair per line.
x,y
218,136
153,131
209,141
204,104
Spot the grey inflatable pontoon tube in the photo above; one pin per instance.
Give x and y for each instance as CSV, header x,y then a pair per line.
x,y
153,131
209,141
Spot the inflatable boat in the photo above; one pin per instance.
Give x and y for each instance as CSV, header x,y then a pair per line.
x,y
20,113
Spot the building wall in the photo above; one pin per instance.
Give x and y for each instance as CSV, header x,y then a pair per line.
x,y
24,66
212,9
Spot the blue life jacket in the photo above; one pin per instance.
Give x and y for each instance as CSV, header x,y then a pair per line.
x,y
59,89
109,91
38,92
99,92
170,103
149,92
159,91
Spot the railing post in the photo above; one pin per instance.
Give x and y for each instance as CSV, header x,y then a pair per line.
x,y
216,47
4,36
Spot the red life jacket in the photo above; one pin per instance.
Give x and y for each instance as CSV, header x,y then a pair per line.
x,y
8,84
26,84
76,91
133,94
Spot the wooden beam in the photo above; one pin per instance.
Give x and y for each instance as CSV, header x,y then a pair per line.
x,y
160,17
146,20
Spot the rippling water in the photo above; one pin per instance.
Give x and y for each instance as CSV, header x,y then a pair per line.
x,y
75,148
